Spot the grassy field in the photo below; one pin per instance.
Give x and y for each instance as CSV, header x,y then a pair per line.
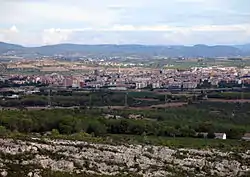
x,y
185,64
196,143
171,142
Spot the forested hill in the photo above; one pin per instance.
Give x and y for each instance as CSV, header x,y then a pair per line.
x,y
125,50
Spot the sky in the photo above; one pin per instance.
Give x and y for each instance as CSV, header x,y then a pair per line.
x,y
149,22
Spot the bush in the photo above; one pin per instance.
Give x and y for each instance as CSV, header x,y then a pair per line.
x,y
210,135
235,133
55,132
81,135
96,128
3,131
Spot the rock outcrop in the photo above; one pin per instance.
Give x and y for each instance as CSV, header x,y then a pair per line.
x,y
82,157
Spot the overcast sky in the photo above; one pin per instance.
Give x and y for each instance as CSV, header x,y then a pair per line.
x,y
164,22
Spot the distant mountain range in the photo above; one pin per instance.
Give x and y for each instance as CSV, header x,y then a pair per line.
x,y
127,50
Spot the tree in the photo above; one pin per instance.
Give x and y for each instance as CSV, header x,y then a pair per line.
x,y
200,135
187,132
210,135
135,128
55,132
235,133
3,131
113,126
96,128
26,125
66,126
205,127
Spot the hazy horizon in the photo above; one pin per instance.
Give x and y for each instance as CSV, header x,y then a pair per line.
x,y
164,45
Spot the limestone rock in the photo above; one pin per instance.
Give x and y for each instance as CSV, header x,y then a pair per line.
x,y
4,173
79,157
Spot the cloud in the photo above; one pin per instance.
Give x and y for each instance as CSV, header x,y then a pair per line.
x,y
117,27
172,34
10,35
62,12
54,36
14,29
131,21
125,34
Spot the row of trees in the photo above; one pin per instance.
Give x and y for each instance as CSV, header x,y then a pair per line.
x,y
9,83
66,101
230,95
69,99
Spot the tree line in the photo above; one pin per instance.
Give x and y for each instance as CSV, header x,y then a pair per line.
x,y
174,123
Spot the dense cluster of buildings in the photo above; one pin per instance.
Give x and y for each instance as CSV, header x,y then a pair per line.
x,y
139,78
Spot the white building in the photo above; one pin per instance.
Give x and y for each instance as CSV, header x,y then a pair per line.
x,y
140,85
189,85
156,85
222,136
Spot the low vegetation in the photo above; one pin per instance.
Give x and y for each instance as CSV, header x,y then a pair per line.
x,y
167,124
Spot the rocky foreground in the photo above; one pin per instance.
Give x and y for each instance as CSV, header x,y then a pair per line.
x,y
32,157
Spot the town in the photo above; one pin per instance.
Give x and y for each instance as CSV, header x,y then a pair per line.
x,y
116,77
134,88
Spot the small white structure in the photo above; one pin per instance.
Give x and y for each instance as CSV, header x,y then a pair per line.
x,y
156,85
140,85
222,136
246,137
13,96
117,88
